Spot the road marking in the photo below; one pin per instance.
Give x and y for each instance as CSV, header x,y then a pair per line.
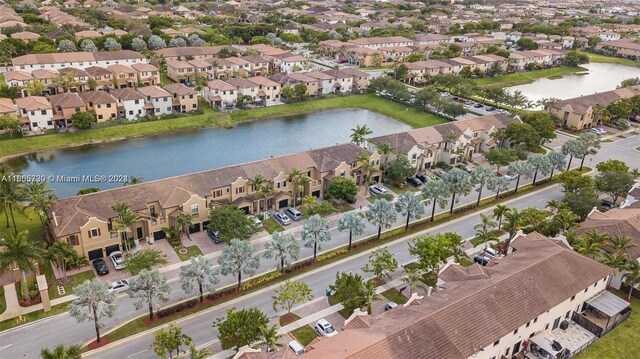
x,y
134,354
5,347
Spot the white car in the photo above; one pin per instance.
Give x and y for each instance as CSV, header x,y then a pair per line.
x,y
377,190
255,220
118,286
324,328
510,177
118,260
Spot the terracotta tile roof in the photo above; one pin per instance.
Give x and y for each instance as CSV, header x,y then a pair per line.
x,y
190,51
17,76
49,58
263,81
144,67
97,97
66,100
522,286
581,104
616,222
241,83
153,91
119,68
72,71
127,93
98,71
33,103
7,106
220,85
179,89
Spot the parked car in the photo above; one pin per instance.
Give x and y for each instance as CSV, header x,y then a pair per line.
x,y
489,109
606,205
255,221
510,177
324,328
293,213
438,172
465,167
478,105
297,348
483,261
414,181
621,124
423,178
118,260
282,218
118,286
491,253
445,94
634,118
100,266
390,306
214,236
377,190
598,131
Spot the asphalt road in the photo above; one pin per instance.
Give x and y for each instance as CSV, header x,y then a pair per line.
x,y
27,340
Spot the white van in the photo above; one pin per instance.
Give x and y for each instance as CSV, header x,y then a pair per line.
x,y
296,347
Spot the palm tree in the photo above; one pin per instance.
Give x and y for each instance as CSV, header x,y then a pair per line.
x,y
480,177
410,205
381,214
384,149
484,237
294,176
184,221
414,280
258,182
621,244
93,301
499,212
591,243
41,199
270,337
125,220
512,225
436,191
520,169
24,253
62,352
302,184
353,223
10,198
284,248
359,134
199,270
267,191
458,182
195,353
617,262
457,253
148,287
369,295
554,205
315,231
632,277
237,258
565,219
62,255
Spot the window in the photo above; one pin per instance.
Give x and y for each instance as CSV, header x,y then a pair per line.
x,y
506,353
515,332
546,326
535,320
43,112
342,173
277,184
496,342
218,193
566,316
152,210
528,324
194,209
94,232
573,297
239,190
73,240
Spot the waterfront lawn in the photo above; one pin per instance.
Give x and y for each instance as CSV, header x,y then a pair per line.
x,y
304,335
520,78
394,296
192,251
611,59
621,342
271,226
28,221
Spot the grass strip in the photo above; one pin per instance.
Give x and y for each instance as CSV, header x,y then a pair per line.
x,y
520,78
305,334
393,295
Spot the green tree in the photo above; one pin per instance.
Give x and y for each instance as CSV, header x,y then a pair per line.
x,y
414,279
369,295
87,190
35,87
125,220
348,290
11,197
381,263
62,352
291,293
499,212
539,163
480,177
342,189
144,259
353,223
315,230
240,327
148,287
169,339
434,250
534,219
543,123
283,248
199,271
384,149
527,44
523,135
82,120
632,275
24,253
195,353
10,123
238,258
93,301
270,337
512,224
300,91
436,191
41,198
617,262
410,205
575,58
521,169
381,214
557,160
62,255
359,134
399,168
184,221
231,222
614,183
458,182
633,81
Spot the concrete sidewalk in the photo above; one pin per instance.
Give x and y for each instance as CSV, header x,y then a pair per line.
x,y
15,310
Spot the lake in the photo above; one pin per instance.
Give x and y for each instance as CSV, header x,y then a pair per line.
x,y
601,77
163,156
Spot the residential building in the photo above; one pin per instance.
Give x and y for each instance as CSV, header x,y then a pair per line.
x,y
220,94
580,112
131,103
147,74
64,106
623,48
380,42
87,221
17,78
7,107
268,90
188,53
158,101
293,63
125,76
326,82
343,81
101,75
80,60
35,112
184,99
245,87
310,82
101,104
180,71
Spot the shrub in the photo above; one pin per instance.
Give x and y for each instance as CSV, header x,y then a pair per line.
x,y
177,308
443,165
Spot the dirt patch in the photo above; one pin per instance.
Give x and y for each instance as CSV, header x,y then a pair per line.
x,y
94,345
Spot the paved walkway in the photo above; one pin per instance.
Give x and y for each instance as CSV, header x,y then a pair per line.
x,y
14,309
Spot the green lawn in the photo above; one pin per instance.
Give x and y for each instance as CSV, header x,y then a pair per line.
x,y
394,296
622,342
304,335
429,279
165,80
192,251
28,221
520,78
611,59
271,226
76,279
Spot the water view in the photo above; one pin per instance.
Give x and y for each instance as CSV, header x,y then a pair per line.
x,y
175,154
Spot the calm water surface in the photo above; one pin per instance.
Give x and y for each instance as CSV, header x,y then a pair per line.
x,y
171,155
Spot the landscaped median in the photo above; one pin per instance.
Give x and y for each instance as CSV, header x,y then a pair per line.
x,y
212,118
267,280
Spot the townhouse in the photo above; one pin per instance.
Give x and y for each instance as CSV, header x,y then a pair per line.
x,y
35,112
189,52
343,81
268,90
381,42
180,71
623,48
101,104
326,83
124,76
359,79
541,301
87,222
184,99
220,94
131,103
7,107
293,79
147,74
64,106
581,112
102,76
80,60
448,142
244,88
293,63
158,101
520,59
17,78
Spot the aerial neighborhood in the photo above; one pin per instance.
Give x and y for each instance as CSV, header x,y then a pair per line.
x,y
319,179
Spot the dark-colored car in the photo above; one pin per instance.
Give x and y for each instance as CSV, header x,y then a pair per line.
x,y
491,109
483,261
478,105
101,266
606,205
214,236
414,181
423,178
